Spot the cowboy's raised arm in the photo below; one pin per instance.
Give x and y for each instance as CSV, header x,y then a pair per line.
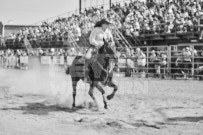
x,y
93,41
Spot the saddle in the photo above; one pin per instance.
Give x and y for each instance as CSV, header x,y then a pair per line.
x,y
86,62
86,65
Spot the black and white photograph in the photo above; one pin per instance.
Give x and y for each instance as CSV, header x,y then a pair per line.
x,y
101,67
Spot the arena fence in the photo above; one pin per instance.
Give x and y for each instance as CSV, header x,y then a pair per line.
x,y
165,65
168,66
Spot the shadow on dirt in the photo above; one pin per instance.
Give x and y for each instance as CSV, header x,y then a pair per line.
x,y
41,109
187,119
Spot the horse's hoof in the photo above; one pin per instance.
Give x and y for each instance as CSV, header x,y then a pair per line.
x,y
109,97
106,107
74,108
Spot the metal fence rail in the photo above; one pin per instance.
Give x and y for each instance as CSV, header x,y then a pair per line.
x,y
171,68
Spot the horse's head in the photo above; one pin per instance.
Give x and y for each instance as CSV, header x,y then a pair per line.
x,y
108,51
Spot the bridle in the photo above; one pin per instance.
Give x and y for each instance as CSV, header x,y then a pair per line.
x,y
107,71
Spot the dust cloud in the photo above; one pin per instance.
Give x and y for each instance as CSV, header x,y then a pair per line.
x,y
48,81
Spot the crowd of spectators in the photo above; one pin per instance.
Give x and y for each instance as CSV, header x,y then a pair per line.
x,y
134,17
161,62
156,17
11,58
137,60
63,28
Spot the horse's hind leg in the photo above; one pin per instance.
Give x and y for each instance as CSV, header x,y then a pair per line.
x,y
91,92
74,84
115,88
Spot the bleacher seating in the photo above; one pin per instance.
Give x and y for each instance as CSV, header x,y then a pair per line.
x,y
152,23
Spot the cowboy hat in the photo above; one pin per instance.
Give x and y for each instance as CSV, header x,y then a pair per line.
x,y
103,21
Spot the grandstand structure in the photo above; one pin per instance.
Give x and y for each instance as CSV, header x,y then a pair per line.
x,y
68,35
153,28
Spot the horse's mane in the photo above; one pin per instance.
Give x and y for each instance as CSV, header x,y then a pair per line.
x,y
101,50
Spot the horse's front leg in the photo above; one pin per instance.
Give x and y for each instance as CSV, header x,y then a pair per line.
x,y
91,93
115,88
99,87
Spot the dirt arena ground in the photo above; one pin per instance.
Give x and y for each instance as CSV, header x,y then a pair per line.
x,y
38,102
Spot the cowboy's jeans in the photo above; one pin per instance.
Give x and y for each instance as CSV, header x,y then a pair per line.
x,y
88,59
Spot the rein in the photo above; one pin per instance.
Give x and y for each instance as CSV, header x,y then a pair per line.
x,y
107,71
102,67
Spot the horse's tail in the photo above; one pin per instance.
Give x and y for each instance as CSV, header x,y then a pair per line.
x,y
71,69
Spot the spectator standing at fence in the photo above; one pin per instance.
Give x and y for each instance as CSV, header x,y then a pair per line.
x,y
152,60
135,58
163,64
187,55
129,61
186,60
12,60
1,57
179,60
141,62
23,65
6,58
42,52
158,62
152,57
163,59
18,54
200,65
52,52
2,42
137,53
201,60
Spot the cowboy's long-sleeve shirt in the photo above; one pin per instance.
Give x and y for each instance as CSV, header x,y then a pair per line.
x,y
97,35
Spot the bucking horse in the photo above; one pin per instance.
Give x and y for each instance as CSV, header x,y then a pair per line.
x,y
100,72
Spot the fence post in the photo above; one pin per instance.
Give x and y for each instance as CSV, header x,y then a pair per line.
x,y
147,60
192,60
169,59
